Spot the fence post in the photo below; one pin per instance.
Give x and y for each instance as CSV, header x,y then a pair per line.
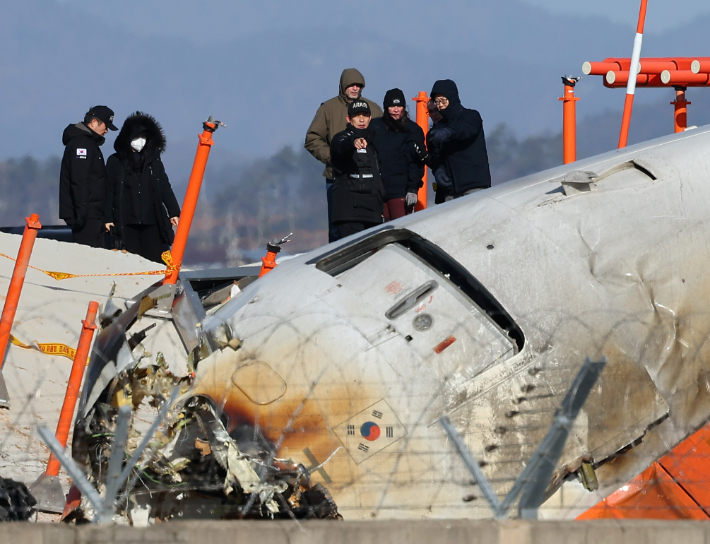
x,y
32,225
423,122
47,489
569,120
680,116
190,203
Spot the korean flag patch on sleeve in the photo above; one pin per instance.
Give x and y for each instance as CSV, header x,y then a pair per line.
x,y
80,153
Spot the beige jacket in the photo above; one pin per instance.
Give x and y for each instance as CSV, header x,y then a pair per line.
x,y
330,119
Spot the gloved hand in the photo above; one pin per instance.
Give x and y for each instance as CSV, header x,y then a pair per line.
x,y
442,180
440,135
410,199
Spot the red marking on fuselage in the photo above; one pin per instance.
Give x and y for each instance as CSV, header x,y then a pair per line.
x,y
394,288
444,344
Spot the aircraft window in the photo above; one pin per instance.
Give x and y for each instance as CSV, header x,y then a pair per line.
x,y
342,259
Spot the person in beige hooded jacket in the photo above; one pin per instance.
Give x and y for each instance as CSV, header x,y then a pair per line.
x,y
329,121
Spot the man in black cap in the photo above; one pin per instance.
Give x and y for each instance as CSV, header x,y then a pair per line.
x,y
357,189
82,178
457,146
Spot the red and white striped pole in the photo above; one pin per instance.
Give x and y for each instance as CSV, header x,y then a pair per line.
x,y
633,71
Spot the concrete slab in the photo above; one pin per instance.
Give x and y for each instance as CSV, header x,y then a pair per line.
x,y
356,532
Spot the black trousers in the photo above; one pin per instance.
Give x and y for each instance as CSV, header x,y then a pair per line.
x,y
347,228
91,234
333,235
143,240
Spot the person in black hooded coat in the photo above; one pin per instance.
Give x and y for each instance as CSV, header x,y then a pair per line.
x,y
140,203
457,145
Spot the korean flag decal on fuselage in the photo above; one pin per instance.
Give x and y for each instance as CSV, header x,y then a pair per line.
x,y
81,153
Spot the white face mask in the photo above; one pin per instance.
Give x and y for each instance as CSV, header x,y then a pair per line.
x,y
138,144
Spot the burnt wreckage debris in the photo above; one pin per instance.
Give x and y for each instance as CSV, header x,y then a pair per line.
x,y
16,502
197,464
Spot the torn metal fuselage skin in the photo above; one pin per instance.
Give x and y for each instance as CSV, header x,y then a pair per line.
x,y
482,309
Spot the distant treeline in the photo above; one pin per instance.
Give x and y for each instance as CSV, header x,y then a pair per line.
x,y
249,203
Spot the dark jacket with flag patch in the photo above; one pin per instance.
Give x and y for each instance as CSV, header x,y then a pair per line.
x,y
82,178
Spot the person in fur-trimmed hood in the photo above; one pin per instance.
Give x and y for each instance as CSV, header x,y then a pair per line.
x,y
140,203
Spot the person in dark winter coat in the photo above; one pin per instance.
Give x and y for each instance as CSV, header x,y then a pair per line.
x,y
82,179
357,190
328,121
442,181
458,144
399,142
140,203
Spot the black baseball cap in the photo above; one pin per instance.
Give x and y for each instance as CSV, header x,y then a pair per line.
x,y
359,106
104,114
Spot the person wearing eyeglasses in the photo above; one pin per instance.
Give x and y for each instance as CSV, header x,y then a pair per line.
x,y
457,145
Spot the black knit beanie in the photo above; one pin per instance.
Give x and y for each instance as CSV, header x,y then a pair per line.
x,y
394,97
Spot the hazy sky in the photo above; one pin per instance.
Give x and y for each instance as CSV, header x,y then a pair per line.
x,y
259,65
221,18
661,14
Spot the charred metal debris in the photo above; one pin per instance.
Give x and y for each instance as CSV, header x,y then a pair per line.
x,y
195,465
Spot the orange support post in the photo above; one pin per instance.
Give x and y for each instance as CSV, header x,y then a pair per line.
x,y
680,117
75,378
569,120
273,248
47,489
423,122
268,263
633,68
32,225
190,203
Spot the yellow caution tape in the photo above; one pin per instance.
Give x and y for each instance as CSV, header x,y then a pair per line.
x,y
61,350
167,258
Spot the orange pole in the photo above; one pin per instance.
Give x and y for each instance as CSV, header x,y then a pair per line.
x,y
268,263
633,68
32,225
190,203
680,117
569,121
75,377
423,122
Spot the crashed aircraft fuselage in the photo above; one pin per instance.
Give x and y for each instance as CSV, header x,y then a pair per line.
x,y
482,309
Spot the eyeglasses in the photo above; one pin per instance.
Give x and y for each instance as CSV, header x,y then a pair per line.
x,y
441,101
